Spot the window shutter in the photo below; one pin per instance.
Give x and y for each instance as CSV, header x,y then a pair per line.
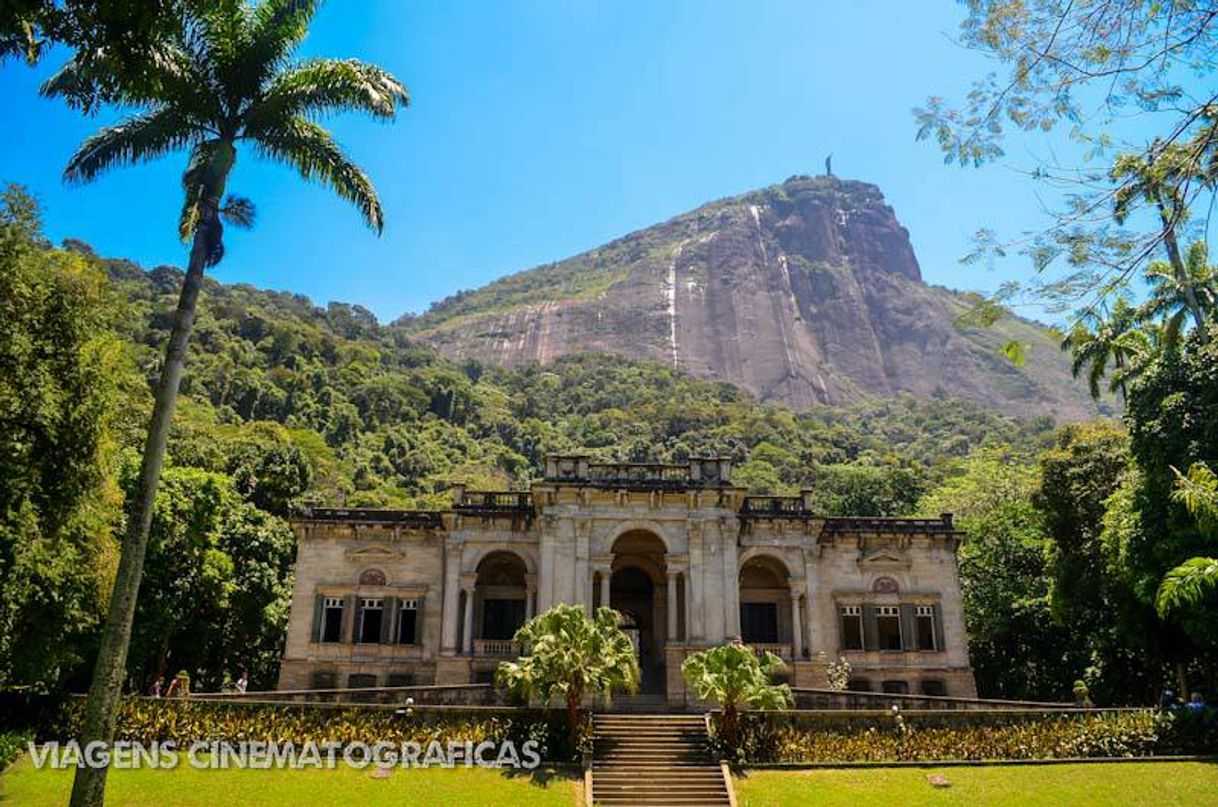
x,y
909,629
388,611
871,633
319,613
939,643
351,618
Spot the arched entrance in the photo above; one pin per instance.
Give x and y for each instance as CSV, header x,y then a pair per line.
x,y
636,588
769,612
499,603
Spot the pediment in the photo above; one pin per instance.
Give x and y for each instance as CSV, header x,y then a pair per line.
x,y
885,558
372,553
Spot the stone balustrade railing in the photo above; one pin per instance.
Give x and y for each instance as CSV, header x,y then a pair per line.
x,y
500,648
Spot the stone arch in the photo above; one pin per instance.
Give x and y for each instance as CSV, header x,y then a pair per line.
x,y
769,608
524,555
638,526
500,601
766,555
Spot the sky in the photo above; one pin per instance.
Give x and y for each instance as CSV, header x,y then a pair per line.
x,y
541,129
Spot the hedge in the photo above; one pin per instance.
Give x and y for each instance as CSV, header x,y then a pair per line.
x,y
148,720
776,737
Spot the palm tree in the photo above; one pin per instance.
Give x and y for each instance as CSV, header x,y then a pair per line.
x,y
1095,342
735,676
224,77
1172,295
1196,578
570,655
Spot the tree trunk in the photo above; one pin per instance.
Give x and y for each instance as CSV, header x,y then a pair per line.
x,y
1182,679
109,671
1180,269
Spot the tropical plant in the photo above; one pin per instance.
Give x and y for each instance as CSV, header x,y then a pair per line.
x,y
1095,344
736,677
1195,579
569,655
838,674
224,76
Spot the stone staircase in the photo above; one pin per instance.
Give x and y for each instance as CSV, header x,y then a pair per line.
x,y
655,761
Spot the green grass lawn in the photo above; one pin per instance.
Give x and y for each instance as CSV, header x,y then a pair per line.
x,y
1126,784
24,785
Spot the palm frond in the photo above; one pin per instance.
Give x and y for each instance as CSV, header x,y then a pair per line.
x,y
239,212
322,86
277,27
1187,584
139,138
313,152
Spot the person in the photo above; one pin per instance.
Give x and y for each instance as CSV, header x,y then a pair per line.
x,y
243,683
157,686
1196,703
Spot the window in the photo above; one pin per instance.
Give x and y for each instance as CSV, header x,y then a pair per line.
x,y
323,680
934,686
408,621
888,626
858,685
759,622
400,679
501,618
852,627
332,621
371,616
360,681
925,618
895,687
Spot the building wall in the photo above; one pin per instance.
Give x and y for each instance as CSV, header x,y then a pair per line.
x,y
572,536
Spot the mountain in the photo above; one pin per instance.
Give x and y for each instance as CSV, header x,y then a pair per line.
x,y
802,293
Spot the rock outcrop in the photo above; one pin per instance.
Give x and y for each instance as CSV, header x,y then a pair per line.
x,y
806,292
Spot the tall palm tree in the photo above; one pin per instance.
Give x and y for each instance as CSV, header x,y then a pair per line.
x,y
225,77
1096,344
1172,295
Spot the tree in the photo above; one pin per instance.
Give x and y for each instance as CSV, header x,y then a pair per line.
x,y
1190,583
569,655
223,77
736,677
62,371
1095,342
1091,66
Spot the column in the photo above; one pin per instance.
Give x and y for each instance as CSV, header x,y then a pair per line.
x,y
451,613
591,590
530,595
797,633
605,587
672,606
468,637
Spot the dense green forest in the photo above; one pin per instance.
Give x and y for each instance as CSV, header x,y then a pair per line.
x,y
286,403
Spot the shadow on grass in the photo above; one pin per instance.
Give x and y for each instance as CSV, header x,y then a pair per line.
x,y
543,775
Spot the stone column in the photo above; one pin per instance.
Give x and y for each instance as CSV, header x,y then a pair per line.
x,y
451,615
605,575
530,595
797,633
467,645
672,606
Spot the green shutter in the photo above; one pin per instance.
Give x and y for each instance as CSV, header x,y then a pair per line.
x,y
319,612
939,643
389,610
871,632
909,629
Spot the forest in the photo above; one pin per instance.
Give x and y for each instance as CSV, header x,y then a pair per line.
x,y
1069,528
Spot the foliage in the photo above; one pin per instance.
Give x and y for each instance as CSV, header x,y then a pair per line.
x,y
736,677
568,656
794,738
12,745
838,674
1196,578
62,372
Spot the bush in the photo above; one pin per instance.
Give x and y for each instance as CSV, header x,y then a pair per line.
x,y
12,744
149,720
795,738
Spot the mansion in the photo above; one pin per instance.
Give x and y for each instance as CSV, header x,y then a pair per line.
x,y
406,597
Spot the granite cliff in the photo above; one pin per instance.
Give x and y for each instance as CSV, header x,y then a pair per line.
x,y
805,292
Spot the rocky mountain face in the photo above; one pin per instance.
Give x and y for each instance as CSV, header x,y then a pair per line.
x,y
805,292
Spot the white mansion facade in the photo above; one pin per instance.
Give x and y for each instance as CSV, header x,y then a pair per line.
x,y
395,598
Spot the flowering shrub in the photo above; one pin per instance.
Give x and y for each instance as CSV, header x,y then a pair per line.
x,y
793,738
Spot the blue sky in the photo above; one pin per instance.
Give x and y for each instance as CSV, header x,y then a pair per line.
x,y
541,129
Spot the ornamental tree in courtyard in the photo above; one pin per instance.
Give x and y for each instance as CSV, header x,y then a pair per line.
x,y
223,76
736,677
569,655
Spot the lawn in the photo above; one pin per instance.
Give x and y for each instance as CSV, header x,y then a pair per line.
x,y
1127,784
24,785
